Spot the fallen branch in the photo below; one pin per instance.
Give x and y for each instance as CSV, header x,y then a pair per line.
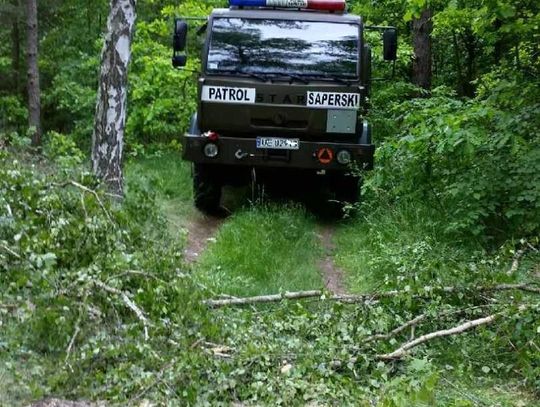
x,y
129,303
362,298
402,350
14,254
515,261
134,273
72,341
411,323
262,298
89,191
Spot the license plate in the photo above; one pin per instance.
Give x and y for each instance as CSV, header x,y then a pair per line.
x,y
277,143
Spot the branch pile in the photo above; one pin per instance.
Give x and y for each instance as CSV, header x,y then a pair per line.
x,y
368,298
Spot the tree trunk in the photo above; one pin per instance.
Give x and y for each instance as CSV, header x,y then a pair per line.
x,y
16,48
457,62
34,92
110,120
470,46
498,47
422,64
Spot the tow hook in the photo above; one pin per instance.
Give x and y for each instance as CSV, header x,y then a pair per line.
x,y
240,155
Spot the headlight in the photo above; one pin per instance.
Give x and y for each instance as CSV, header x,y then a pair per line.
x,y
211,150
344,157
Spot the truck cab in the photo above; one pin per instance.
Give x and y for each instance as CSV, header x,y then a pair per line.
x,y
281,91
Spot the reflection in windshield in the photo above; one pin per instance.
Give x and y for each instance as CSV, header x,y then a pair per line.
x,y
283,47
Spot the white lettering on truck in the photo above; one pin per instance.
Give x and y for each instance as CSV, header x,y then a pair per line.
x,y
221,94
333,100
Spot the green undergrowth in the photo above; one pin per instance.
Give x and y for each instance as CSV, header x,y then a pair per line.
x,y
67,256
263,249
300,353
397,246
94,294
400,247
169,177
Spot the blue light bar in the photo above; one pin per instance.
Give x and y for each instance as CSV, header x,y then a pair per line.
x,y
328,5
248,3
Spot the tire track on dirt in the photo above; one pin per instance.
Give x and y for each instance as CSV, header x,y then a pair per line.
x,y
201,231
332,275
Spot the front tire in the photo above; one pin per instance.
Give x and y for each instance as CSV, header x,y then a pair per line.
x,y
347,189
345,194
206,189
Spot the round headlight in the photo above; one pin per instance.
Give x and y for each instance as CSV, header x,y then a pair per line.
x,y
343,157
211,150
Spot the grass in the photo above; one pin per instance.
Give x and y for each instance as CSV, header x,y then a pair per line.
x,y
260,249
169,177
396,246
453,391
263,249
400,246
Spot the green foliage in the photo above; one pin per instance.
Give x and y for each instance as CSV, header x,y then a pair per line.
x,y
162,99
58,242
13,114
63,150
447,150
455,187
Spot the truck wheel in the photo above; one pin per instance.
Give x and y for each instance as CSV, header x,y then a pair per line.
x,y
348,189
345,190
206,189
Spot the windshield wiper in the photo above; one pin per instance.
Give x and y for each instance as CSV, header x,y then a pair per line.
x,y
292,76
262,78
330,78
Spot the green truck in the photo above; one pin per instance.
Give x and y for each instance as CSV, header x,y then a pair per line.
x,y
281,93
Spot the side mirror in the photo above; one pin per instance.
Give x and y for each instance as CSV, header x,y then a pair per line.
x,y
390,44
179,43
179,61
180,35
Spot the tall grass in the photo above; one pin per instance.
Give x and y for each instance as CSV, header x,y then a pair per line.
x,y
263,249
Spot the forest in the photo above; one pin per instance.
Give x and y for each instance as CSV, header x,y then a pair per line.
x,y
115,290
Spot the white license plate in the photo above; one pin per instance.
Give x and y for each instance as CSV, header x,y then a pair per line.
x,y
277,143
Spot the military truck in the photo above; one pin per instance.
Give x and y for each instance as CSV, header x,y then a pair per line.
x,y
281,93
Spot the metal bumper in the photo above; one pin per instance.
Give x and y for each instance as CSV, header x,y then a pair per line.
x,y
243,152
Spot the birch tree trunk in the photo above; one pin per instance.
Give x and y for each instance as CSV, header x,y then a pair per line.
x,y
34,92
422,63
111,108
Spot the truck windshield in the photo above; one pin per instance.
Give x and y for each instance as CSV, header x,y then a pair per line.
x,y
255,46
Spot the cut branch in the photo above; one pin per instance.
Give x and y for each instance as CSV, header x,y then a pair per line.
x,y
129,303
411,323
263,299
402,350
72,341
515,261
91,192
362,298
14,254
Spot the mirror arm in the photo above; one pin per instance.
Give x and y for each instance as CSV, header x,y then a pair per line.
x,y
379,27
192,18
202,29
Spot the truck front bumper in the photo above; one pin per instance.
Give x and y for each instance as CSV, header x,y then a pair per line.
x,y
311,155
